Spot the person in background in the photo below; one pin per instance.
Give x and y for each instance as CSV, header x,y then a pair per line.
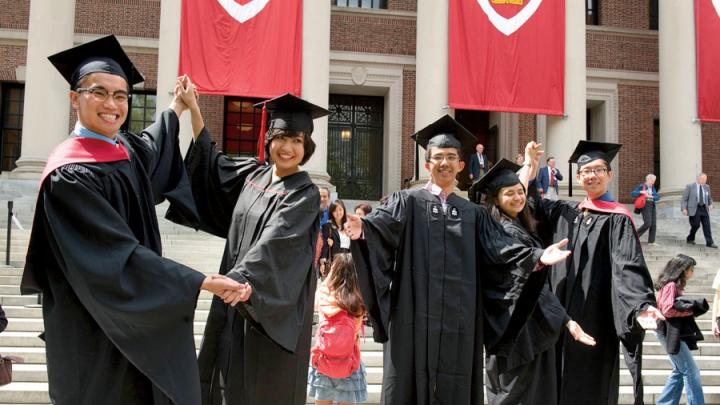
x,y
519,159
716,305
337,372
679,333
479,163
3,319
547,180
334,232
696,203
324,203
649,213
363,209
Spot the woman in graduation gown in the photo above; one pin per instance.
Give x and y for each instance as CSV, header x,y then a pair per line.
x,y
258,351
520,363
605,285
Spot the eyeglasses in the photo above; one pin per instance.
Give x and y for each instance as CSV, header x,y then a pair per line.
x,y
101,94
599,171
450,158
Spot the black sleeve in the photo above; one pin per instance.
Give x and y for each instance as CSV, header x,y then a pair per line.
x,y
374,258
158,151
279,268
216,181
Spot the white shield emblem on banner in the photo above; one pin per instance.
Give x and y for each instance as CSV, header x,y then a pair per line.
x,y
716,4
241,12
509,25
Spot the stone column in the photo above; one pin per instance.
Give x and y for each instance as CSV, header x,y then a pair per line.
x,y
168,62
563,133
316,79
431,71
680,132
47,105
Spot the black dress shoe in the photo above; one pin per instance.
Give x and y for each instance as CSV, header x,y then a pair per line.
x,y
712,245
690,242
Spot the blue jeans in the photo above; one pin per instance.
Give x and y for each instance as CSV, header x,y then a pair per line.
x,y
684,372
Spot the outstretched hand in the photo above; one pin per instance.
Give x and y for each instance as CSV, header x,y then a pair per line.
x,y
533,152
218,284
353,227
648,318
579,334
554,253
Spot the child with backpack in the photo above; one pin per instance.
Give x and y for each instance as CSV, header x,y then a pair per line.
x,y
337,372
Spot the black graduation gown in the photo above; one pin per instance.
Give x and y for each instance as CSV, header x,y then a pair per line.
x,y
603,286
522,368
262,355
432,316
118,316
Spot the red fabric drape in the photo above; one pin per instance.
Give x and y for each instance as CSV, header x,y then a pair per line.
x,y
248,48
507,57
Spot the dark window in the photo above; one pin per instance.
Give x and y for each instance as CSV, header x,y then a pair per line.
x,y
355,146
242,126
656,152
588,123
654,14
361,3
11,110
592,12
141,111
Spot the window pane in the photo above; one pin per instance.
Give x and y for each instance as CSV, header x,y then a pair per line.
x,y
150,115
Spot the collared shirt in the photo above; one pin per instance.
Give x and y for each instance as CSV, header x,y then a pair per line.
x,y
480,159
435,190
606,197
702,195
86,133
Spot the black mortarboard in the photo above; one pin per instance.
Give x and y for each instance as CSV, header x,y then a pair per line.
x,y
445,133
292,113
103,55
503,174
587,151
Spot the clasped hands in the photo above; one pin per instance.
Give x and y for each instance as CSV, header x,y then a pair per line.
x,y
227,289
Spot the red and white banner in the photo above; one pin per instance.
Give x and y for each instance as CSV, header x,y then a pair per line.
x,y
507,55
707,45
242,48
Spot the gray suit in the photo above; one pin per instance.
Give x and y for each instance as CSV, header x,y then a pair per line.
x,y
697,207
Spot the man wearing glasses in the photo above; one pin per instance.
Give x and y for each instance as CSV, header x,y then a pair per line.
x,y
424,264
118,316
605,285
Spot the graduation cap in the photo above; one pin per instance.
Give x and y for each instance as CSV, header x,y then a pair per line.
x,y
503,174
445,133
103,55
292,113
588,151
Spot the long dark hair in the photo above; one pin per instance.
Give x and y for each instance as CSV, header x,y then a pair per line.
x,y
343,284
524,217
333,207
674,271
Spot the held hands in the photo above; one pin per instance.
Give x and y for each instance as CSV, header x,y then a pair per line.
x,y
533,153
223,287
353,227
649,317
554,253
579,334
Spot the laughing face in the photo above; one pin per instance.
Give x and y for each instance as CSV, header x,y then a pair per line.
x,y
104,117
286,152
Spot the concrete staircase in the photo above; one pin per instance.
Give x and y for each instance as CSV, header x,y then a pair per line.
x,y
203,252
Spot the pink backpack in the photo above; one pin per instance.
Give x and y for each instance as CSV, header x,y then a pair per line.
x,y
336,352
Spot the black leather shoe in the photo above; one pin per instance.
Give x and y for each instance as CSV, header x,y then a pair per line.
x,y
690,242
714,246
